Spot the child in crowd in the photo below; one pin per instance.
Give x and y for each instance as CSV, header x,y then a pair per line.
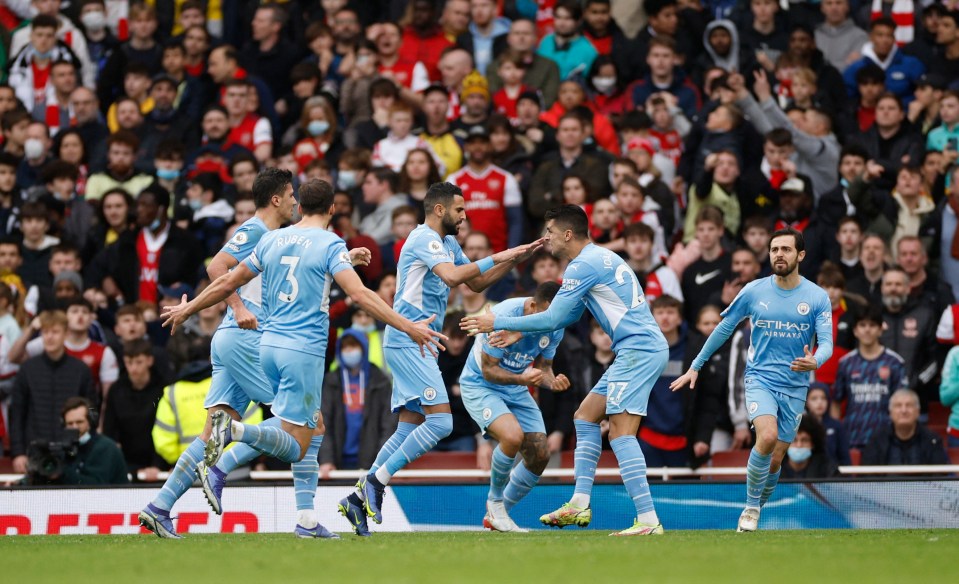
x,y
512,70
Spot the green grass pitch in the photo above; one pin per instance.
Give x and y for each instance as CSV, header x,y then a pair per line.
x,y
564,556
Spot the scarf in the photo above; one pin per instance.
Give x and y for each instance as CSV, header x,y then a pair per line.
x,y
904,13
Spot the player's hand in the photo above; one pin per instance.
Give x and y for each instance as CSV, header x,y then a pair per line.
x,y
503,339
519,253
482,323
360,256
805,363
532,376
742,438
245,319
425,337
325,469
560,383
700,449
174,316
689,377
20,464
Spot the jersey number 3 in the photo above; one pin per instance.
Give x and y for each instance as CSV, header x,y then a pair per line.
x,y
622,273
294,285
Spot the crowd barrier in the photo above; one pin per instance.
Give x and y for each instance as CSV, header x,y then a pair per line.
x,y
899,503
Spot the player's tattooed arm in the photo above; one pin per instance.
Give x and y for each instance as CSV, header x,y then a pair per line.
x,y
550,380
494,373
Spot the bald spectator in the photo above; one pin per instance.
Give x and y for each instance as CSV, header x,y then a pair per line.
x,y
904,440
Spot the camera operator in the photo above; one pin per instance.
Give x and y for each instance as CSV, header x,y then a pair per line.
x,y
99,460
41,387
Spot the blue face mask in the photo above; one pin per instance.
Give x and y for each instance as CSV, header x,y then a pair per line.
x,y
85,438
365,328
44,55
317,127
168,173
797,454
154,225
346,179
351,358
196,204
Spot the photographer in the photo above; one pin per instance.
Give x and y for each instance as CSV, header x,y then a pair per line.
x,y
43,384
98,459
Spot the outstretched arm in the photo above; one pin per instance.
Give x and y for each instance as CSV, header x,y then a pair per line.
x,y
370,301
562,312
218,291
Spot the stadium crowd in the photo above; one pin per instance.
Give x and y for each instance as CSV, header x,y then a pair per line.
x,y
688,131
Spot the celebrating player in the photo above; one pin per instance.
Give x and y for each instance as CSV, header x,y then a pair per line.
x,y
785,310
494,388
430,264
298,265
600,280
235,352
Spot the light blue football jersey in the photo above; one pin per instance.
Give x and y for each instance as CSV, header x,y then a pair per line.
x,y
601,281
515,358
240,246
419,292
297,265
783,322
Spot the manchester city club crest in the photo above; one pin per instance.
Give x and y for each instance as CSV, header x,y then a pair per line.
x,y
487,413
543,342
429,394
803,308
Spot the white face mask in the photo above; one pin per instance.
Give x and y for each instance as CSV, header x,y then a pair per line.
x,y
85,438
33,148
95,20
604,84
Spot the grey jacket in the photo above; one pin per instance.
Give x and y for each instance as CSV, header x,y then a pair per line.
x,y
818,155
837,43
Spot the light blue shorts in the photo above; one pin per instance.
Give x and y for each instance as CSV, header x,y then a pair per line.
x,y
297,379
238,378
417,380
786,409
485,405
627,383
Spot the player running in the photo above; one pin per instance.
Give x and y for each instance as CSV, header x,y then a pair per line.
x,y
235,350
298,266
785,310
494,389
430,264
600,280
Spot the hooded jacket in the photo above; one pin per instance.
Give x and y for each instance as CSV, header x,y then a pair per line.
x,y
731,61
902,72
379,422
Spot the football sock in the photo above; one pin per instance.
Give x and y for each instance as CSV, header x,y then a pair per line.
x,y
632,467
499,474
757,471
771,481
589,445
403,430
305,473
241,453
270,440
420,441
182,476
521,482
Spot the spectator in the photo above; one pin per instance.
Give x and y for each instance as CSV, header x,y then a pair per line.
x,y
717,187
114,217
41,388
897,214
923,288
745,268
904,440
393,150
949,395
705,276
607,37
343,225
120,172
418,173
356,407
379,191
130,409
131,326
866,378
902,70
37,245
806,457
838,37
837,439
91,129
270,54
946,135
908,329
656,278
465,435
711,429
663,75
492,195
410,77
923,111
890,142
872,256
198,330
760,192
945,61
541,72
835,208
156,253
662,436
475,98
33,61
60,179
486,36
437,132
99,460
663,23
36,154
566,47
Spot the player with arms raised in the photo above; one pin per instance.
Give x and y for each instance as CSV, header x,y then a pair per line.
x,y
494,388
786,311
600,280
430,264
